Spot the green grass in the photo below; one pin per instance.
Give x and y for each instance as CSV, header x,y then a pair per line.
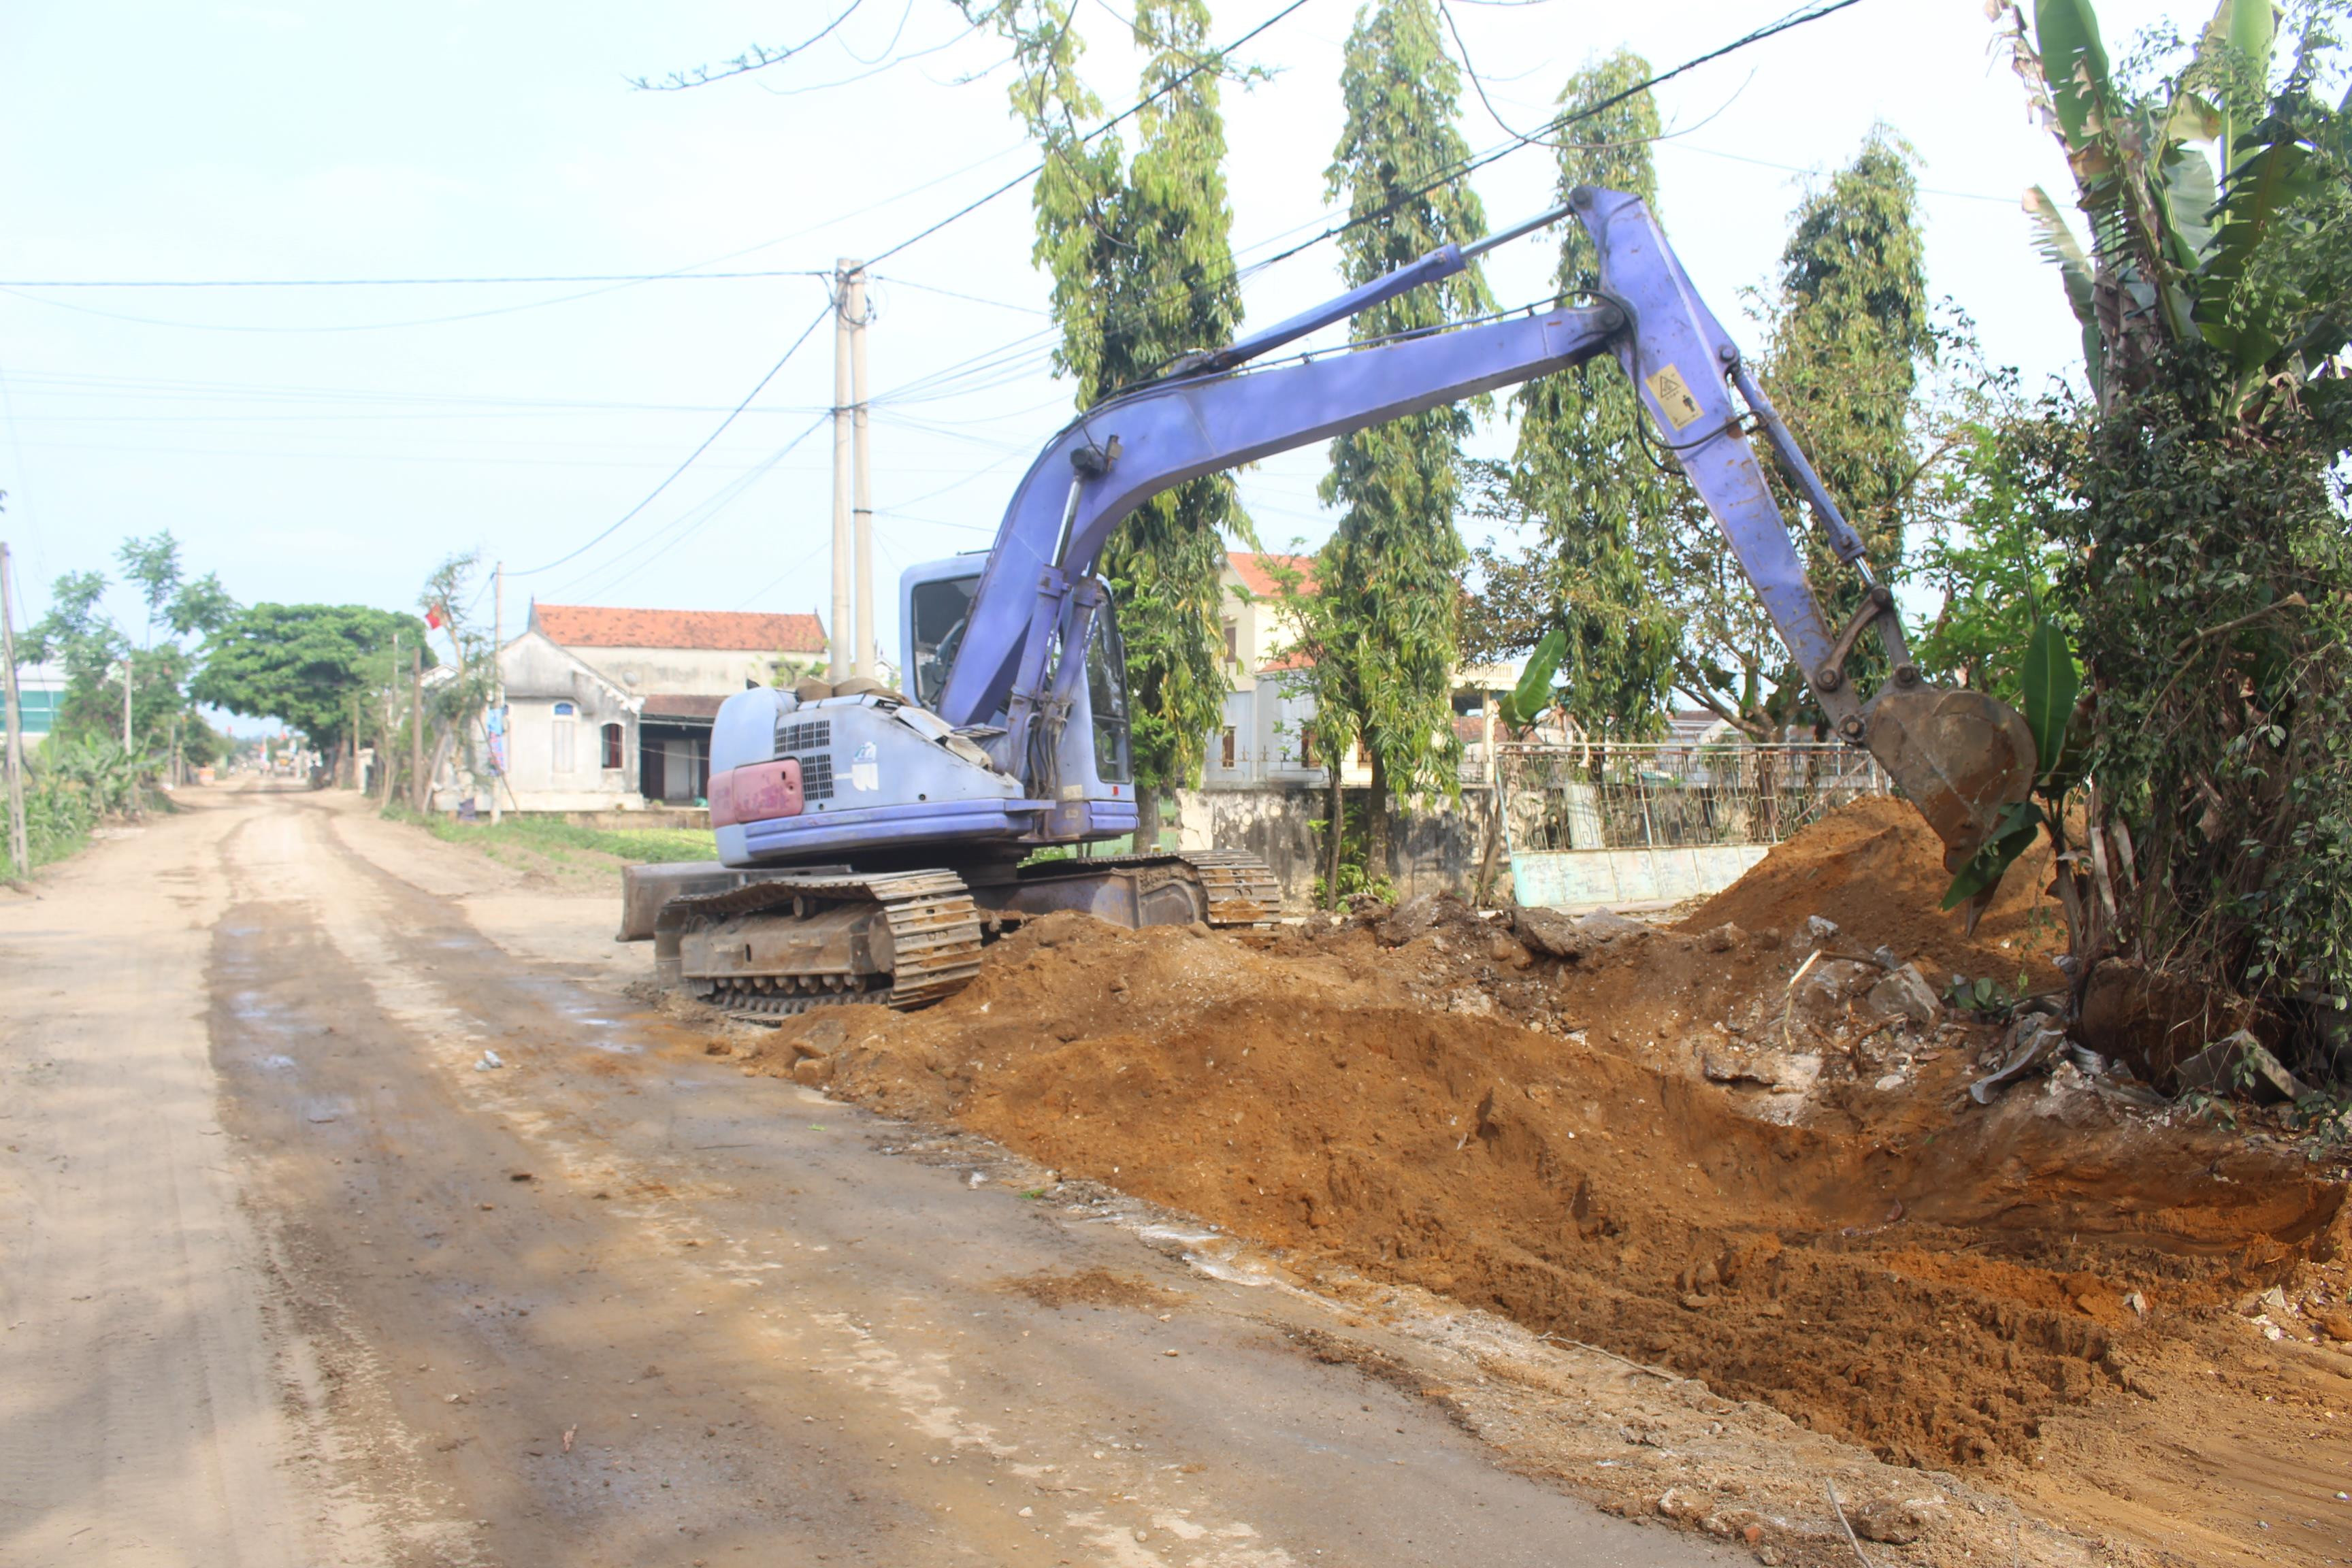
x,y
549,839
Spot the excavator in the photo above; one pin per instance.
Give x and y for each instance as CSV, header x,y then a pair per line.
x,y
871,841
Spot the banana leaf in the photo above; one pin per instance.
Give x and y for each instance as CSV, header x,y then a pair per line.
x,y
1523,703
2051,685
2059,247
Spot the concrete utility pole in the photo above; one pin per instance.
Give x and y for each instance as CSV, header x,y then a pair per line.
x,y
843,641
497,684
126,702
390,726
420,788
20,852
862,504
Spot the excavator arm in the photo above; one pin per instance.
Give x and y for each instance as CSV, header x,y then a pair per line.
x,y
1960,756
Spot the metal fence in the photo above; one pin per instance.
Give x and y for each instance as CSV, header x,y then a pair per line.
x,y
1674,794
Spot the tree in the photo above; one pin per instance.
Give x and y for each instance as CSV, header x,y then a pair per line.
x,y
1583,474
1848,332
1391,570
98,654
302,664
1143,271
2196,501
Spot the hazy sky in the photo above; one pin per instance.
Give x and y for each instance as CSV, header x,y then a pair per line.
x,y
333,444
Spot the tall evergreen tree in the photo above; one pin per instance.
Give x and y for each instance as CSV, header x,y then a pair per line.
x,y
1143,265
1848,334
1392,567
1581,473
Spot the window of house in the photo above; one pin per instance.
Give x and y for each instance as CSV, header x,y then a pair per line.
x,y
566,715
1233,644
1227,754
1306,746
612,747
1363,757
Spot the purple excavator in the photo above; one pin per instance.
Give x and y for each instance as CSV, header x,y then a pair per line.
x,y
870,841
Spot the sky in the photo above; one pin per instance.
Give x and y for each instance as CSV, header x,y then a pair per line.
x,y
335,443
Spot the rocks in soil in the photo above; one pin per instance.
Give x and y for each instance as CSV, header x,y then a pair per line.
x,y
1897,1521
2238,1061
1550,932
1419,917
1906,994
1575,937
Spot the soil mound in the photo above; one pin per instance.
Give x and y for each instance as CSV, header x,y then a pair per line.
x,y
1876,870
1457,1112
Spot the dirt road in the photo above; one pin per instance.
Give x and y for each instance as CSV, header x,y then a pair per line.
x,y
290,1272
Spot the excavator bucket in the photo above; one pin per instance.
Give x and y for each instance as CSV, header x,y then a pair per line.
x,y
1961,757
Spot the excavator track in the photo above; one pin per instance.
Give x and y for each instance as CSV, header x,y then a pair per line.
x,y
1240,888
934,941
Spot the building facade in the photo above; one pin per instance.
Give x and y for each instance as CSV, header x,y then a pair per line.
x,y
1262,740
611,709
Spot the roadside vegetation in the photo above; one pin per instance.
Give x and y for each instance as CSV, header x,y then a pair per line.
x,y
561,850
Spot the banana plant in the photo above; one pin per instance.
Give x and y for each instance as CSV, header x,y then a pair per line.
x,y
2171,234
1526,702
2052,683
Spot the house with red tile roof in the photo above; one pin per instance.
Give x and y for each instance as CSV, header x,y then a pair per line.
x,y
611,708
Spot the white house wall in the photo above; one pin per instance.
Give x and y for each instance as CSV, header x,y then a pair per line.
x,y
539,675
692,672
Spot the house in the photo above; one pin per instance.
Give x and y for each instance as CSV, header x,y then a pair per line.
x,y
40,698
1262,740
612,709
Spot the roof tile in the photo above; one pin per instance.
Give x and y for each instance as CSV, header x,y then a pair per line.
x,y
710,631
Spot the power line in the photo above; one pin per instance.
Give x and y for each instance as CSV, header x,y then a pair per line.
x,y
814,321
1020,354
1789,23
681,276
1214,62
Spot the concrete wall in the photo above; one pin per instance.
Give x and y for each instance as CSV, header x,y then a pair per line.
x,y
1431,850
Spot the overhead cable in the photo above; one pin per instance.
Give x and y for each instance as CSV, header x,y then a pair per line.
x,y
814,321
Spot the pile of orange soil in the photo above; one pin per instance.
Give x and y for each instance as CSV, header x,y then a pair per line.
x,y
1877,869
1944,1284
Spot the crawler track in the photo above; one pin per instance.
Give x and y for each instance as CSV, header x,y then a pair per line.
x,y
935,939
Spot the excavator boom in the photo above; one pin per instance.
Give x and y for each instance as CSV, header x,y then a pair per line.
x,y
869,840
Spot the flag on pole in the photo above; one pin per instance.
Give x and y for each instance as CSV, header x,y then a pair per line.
x,y
435,618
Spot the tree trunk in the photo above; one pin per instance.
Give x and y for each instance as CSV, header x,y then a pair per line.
x,y
1494,834
441,745
1147,820
1336,835
1376,824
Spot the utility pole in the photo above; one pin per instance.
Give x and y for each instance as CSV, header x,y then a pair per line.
x,y
844,544
126,702
497,684
391,718
862,502
20,851
420,788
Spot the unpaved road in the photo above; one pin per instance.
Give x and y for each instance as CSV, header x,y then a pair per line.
x,y
286,1278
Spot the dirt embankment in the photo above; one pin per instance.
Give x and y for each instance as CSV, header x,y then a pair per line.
x,y
1658,1146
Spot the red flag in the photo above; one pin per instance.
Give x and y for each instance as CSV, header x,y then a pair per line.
x,y
432,617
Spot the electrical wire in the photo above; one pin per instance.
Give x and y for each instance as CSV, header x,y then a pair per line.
x,y
1214,62
814,321
746,63
687,524
680,275
970,375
